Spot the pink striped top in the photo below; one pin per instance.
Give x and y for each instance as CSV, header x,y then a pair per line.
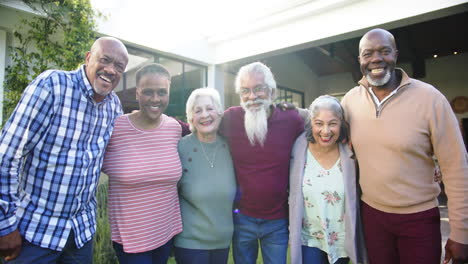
x,y
143,168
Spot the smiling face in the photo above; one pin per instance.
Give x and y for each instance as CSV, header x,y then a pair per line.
x,y
153,95
254,93
105,64
326,128
206,117
377,57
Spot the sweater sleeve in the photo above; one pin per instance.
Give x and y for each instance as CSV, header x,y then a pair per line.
x,y
449,149
344,104
297,163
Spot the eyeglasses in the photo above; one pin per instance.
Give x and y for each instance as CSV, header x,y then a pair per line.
x,y
258,91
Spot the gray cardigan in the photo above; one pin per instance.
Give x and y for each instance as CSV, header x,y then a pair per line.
x,y
354,243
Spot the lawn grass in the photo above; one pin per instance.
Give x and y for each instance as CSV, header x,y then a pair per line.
x,y
103,253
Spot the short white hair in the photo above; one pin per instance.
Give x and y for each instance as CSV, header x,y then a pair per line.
x,y
212,93
255,68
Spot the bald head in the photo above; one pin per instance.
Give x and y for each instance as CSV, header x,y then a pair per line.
x,y
105,64
377,33
108,41
377,58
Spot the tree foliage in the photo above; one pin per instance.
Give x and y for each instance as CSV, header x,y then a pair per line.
x,y
57,38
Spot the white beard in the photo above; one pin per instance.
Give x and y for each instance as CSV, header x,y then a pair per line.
x,y
380,82
256,121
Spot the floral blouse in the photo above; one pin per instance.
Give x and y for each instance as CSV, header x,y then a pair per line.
x,y
324,207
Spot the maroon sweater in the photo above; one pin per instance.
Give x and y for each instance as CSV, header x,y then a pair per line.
x,y
262,172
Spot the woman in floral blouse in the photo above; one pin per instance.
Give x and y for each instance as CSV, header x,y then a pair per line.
x,y
323,201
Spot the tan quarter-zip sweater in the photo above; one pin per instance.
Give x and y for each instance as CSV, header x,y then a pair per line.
x,y
395,145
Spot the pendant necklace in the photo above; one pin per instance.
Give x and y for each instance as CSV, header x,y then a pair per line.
x,y
211,162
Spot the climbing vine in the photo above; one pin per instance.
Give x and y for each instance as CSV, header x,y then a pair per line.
x,y
57,38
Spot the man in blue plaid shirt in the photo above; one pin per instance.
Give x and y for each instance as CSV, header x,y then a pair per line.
x,y
51,151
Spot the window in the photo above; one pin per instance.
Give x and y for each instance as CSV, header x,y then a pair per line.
x,y
185,78
291,96
177,97
188,78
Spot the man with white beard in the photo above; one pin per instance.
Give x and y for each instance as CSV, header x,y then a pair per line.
x,y
397,125
261,137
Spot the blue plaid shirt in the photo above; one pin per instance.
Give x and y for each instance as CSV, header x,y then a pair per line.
x,y
51,152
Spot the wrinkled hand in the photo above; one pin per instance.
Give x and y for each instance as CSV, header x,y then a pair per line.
x,y
455,251
10,245
285,106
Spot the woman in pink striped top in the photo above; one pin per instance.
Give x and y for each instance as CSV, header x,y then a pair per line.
x,y
144,167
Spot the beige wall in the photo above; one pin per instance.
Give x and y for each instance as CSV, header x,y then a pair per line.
x,y
11,17
337,83
448,74
230,97
289,71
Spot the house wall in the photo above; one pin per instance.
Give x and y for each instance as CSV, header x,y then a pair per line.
x,y
181,30
448,74
9,23
9,18
289,71
342,19
298,32
230,97
335,84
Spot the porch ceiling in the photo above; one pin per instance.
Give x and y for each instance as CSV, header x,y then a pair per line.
x,y
416,42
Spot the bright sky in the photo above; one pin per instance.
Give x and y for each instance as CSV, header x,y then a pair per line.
x,y
204,18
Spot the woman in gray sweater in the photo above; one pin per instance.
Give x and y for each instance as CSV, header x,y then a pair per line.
x,y
207,187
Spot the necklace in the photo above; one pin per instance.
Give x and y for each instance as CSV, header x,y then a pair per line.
x,y
211,162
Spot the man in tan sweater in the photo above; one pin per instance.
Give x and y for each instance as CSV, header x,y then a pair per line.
x,y
397,125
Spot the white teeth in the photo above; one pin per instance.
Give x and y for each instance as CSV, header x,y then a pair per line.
x,y
206,122
104,78
154,107
377,70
